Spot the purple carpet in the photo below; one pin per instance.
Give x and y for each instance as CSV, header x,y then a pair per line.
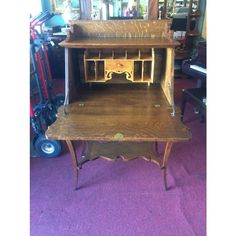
x,y
124,198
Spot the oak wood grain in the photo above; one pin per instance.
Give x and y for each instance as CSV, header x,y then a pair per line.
x,y
111,151
118,34
121,28
143,42
167,82
118,113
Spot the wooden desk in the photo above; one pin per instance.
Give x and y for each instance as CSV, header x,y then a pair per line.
x,y
129,115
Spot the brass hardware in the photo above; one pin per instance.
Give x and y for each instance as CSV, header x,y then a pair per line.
x,y
118,136
157,105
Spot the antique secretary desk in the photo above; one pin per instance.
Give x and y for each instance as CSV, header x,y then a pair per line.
x,y
119,85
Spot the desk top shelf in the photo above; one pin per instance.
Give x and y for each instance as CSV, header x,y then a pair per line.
x,y
120,34
120,43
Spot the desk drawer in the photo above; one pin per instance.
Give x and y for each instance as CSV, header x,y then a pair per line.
x,y
119,66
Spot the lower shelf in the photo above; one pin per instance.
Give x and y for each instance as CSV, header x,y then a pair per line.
x,y
125,150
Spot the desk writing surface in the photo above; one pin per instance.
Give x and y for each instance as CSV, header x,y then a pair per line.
x,y
119,114
112,42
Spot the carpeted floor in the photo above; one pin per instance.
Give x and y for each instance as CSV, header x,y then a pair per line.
x,y
124,198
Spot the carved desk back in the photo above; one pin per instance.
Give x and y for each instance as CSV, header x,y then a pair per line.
x,y
120,29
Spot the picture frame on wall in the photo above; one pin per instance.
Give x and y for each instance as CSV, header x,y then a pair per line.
x,y
58,6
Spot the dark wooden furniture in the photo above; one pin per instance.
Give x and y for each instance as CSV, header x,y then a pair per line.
x,y
195,67
197,98
193,16
128,114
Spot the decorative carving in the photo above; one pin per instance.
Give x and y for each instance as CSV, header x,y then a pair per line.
x,y
72,33
119,67
149,156
124,158
129,74
93,151
119,29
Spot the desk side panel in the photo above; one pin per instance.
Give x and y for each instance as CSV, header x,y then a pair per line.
x,y
72,74
167,79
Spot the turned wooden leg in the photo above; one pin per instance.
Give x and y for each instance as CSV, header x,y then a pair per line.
x,y
165,160
75,161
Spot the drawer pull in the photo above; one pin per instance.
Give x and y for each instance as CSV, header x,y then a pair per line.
x,y
119,65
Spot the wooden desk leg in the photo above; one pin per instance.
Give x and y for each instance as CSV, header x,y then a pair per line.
x,y
75,161
165,160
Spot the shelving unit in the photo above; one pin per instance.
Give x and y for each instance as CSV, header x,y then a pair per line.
x,y
136,64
